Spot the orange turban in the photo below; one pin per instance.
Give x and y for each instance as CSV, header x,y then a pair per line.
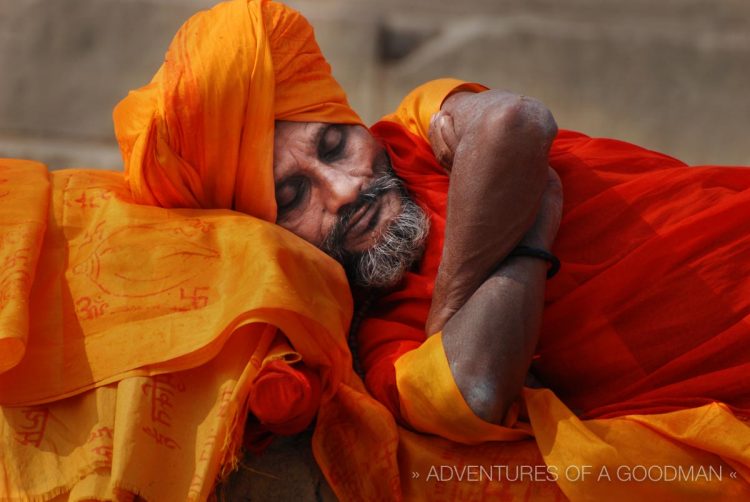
x,y
200,135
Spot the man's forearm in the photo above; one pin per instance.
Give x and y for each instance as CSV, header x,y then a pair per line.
x,y
502,193
489,342
498,174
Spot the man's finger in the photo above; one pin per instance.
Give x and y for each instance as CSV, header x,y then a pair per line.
x,y
448,132
441,132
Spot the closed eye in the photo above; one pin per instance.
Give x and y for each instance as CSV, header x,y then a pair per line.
x,y
290,194
332,142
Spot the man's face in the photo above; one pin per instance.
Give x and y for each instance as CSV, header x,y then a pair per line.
x,y
335,188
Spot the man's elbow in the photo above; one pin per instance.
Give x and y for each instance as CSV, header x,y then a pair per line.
x,y
487,401
525,118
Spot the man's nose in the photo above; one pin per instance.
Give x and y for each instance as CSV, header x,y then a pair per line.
x,y
342,188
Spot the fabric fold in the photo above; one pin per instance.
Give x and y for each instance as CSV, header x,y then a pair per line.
x,y
692,454
24,199
133,290
108,443
285,394
432,403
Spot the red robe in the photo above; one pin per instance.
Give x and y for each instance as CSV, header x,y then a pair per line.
x,y
651,310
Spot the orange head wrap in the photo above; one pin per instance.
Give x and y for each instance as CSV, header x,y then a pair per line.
x,y
200,135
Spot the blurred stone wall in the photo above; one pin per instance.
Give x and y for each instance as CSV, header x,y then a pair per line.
x,y
671,75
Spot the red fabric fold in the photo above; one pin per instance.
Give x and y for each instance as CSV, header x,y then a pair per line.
x,y
651,309
285,398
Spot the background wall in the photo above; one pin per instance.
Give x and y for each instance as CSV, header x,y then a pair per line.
x,y
672,75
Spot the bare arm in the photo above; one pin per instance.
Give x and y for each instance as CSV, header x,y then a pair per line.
x,y
490,340
502,192
495,144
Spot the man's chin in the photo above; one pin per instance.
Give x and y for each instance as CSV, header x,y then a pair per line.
x,y
382,258
398,247
378,281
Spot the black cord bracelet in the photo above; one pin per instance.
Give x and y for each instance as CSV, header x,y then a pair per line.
x,y
554,263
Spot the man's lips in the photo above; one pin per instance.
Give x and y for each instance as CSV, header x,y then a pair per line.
x,y
363,220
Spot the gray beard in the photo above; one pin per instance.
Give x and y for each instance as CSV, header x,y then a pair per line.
x,y
400,245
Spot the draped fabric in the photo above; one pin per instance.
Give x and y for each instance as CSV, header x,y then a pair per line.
x,y
650,311
655,294
649,371
133,335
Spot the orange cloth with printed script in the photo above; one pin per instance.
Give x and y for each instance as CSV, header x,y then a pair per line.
x,y
131,336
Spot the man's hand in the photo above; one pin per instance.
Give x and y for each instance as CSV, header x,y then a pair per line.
x,y
495,146
472,109
542,233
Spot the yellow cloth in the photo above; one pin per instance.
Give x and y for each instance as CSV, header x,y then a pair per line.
x,y
123,289
437,407
694,454
162,316
162,437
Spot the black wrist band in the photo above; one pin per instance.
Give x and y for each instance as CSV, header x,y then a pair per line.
x,y
554,263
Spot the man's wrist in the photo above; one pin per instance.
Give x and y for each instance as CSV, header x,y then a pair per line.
x,y
541,255
534,241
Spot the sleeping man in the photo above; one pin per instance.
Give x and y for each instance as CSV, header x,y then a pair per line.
x,y
335,187
445,214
